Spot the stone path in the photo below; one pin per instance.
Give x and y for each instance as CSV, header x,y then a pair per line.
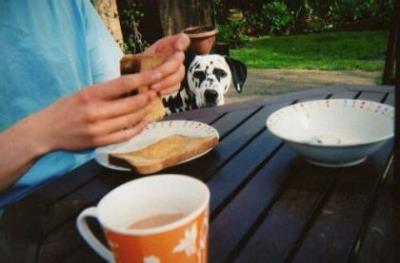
x,y
269,82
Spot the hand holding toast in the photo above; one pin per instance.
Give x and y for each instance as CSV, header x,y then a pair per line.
x,y
165,56
100,114
97,115
173,70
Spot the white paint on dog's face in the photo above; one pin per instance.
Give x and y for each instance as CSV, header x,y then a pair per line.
x,y
209,78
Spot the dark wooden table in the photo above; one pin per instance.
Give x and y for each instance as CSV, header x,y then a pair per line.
x,y
267,204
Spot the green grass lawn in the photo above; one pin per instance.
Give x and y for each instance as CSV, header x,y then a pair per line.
x,y
326,51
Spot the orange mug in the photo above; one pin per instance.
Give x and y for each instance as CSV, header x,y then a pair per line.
x,y
154,219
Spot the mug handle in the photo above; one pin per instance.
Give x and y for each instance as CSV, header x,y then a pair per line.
x,y
88,236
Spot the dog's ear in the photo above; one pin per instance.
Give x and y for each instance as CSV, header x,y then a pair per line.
x,y
239,73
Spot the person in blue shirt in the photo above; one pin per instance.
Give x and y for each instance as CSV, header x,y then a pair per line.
x,y
60,90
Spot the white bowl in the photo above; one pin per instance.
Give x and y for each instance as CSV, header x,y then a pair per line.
x,y
334,132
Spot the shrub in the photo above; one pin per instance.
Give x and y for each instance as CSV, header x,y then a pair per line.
x,y
354,11
273,18
277,17
233,33
283,16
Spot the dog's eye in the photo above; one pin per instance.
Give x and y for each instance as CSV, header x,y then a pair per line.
x,y
219,73
200,75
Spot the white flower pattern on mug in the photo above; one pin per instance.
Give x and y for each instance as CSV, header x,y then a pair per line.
x,y
201,255
188,243
151,259
204,231
114,248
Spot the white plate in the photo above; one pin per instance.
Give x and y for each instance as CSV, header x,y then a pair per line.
x,y
152,133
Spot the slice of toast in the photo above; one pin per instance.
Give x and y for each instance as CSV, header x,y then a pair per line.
x,y
164,153
131,64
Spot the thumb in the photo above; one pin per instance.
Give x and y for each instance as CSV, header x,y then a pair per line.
x,y
182,41
171,44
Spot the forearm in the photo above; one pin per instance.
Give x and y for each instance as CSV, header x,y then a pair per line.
x,y
20,146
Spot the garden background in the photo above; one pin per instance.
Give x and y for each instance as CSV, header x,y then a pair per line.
x,y
287,45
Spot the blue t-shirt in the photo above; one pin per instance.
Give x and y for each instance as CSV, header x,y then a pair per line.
x,y
49,49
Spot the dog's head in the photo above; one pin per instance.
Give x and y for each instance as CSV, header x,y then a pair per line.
x,y
210,76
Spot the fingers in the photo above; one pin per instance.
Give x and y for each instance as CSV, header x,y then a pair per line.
x,y
162,76
127,83
120,123
173,70
121,86
172,64
169,90
121,135
171,83
123,106
170,44
182,42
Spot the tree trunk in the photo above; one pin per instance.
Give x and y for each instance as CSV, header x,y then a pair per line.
x,y
179,14
109,13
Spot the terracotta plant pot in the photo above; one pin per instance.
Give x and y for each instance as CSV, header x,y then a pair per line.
x,y
202,38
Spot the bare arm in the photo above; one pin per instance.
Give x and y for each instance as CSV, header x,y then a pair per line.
x,y
19,148
98,115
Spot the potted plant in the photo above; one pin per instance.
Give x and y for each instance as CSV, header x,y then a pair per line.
x,y
202,38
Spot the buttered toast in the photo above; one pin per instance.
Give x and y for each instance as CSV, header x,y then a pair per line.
x,y
164,153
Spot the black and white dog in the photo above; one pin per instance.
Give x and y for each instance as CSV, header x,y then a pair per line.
x,y
208,78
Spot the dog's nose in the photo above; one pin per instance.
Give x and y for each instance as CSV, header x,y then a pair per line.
x,y
210,95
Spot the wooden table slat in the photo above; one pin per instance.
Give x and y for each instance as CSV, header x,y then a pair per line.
x,y
236,172
283,225
365,88
232,120
208,119
336,228
237,218
70,206
54,247
372,96
345,95
82,254
377,244
390,99
47,194
60,243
